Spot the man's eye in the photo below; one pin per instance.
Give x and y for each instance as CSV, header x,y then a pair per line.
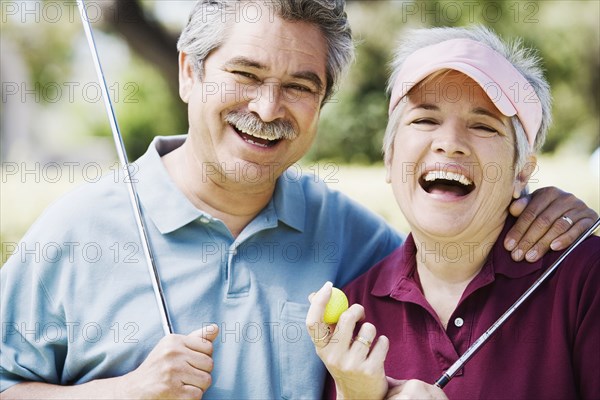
x,y
246,75
299,88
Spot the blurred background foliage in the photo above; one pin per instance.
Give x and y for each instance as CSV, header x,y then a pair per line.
x,y
565,32
136,41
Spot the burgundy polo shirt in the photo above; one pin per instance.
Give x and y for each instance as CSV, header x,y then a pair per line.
x,y
548,349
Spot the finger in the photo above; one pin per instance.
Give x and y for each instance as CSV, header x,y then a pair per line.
x,y
318,330
208,332
546,206
190,392
583,218
201,362
550,223
568,227
201,340
394,387
557,228
393,381
517,206
363,340
199,345
539,227
527,218
379,352
564,240
344,330
193,377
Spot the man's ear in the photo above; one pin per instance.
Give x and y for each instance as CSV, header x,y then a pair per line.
x,y
187,76
523,176
388,168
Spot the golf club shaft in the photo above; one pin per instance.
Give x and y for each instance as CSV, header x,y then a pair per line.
x,y
133,197
454,368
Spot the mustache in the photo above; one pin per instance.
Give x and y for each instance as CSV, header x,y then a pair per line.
x,y
253,125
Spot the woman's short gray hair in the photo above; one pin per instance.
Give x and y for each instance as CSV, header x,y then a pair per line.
x,y
525,60
206,30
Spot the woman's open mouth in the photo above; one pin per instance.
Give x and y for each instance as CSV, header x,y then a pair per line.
x,y
446,183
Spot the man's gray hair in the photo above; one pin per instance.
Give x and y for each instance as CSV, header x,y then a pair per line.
x,y
525,60
206,30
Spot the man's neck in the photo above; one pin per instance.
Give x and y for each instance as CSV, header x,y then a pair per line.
x,y
234,203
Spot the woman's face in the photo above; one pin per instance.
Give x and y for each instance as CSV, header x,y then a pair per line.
x,y
452,166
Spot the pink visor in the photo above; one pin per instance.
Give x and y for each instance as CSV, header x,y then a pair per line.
x,y
510,92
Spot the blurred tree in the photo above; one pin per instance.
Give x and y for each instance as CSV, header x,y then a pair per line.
x,y
146,36
353,125
565,32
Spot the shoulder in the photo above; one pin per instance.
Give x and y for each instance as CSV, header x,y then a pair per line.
x,y
585,259
358,225
90,205
325,202
581,266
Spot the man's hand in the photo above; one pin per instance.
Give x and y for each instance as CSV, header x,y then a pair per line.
x,y
178,367
541,225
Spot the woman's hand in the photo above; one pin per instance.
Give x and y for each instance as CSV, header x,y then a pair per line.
x,y
414,389
356,364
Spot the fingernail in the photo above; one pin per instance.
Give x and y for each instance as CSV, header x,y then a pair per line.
x,y
556,245
328,283
511,244
531,255
518,255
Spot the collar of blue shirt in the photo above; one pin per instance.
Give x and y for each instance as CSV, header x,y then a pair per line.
x,y
174,211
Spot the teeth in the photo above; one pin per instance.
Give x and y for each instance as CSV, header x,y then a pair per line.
x,y
255,134
449,176
256,143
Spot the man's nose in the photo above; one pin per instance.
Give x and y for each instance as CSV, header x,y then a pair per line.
x,y
267,102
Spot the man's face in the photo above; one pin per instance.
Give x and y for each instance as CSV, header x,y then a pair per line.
x,y
269,72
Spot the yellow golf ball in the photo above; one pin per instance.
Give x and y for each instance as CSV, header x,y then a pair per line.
x,y
338,303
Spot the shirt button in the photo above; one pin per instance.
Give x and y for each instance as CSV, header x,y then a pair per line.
x,y
458,322
204,220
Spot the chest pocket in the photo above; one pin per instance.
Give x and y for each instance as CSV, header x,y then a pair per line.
x,y
301,371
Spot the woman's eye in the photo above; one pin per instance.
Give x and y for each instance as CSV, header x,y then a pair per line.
x,y
485,128
425,121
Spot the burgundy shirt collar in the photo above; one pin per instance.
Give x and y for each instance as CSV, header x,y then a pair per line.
x,y
401,284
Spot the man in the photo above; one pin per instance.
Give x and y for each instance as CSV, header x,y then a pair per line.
x,y
239,243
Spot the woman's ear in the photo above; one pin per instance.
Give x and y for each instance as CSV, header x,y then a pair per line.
x,y
187,76
524,175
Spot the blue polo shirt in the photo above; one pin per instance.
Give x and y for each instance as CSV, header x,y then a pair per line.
x,y
77,301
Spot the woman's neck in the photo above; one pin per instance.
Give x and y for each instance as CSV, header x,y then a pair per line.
x,y
446,267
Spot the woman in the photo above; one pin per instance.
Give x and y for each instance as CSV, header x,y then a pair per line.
x,y
467,114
